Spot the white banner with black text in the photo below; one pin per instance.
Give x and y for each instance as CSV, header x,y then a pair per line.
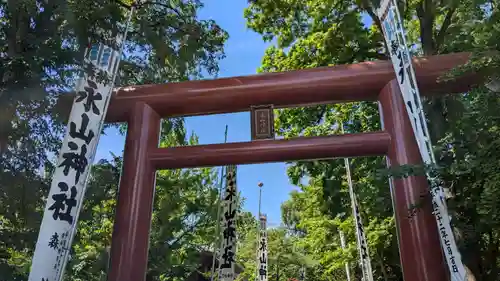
x,y
366,266
262,249
229,241
364,256
76,156
394,35
302,274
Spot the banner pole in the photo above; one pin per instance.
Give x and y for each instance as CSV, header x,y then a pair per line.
x,y
215,254
260,185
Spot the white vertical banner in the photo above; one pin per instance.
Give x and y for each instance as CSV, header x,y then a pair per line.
x,y
343,245
262,249
364,255
229,241
394,34
77,153
302,274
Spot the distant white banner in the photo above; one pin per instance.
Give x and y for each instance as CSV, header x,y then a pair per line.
x,y
364,256
366,266
302,274
262,249
77,153
394,35
343,246
229,242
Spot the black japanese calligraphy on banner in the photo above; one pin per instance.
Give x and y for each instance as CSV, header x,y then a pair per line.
x,y
445,237
230,192
230,214
263,272
302,274
228,257
59,244
364,256
229,232
63,204
54,241
229,242
89,96
263,259
76,160
262,249
263,244
81,133
361,233
401,71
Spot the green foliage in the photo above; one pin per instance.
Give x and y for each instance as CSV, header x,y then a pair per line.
x,y
183,221
184,218
42,44
285,258
320,33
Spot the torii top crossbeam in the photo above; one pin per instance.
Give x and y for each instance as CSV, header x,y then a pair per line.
x,y
342,83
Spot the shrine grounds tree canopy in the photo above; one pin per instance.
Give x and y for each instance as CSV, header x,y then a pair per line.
x,y
319,33
42,44
41,56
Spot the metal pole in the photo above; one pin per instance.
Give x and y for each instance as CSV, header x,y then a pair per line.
x,y
260,185
217,225
342,244
260,196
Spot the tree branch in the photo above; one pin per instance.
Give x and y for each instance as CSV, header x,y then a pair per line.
x,y
190,230
365,4
160,4
126,6
425,15
444,27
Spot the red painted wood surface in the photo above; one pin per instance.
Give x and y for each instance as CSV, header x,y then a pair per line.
x,y
419,246
130,242
264,151
336,84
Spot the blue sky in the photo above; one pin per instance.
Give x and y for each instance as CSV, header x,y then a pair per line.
x,y
244,51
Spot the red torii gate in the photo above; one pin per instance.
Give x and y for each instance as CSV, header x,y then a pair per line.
x,y
143,107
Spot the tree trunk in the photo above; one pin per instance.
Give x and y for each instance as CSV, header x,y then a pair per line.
x,y
380,260
425,13
6,118
493,251
278,269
